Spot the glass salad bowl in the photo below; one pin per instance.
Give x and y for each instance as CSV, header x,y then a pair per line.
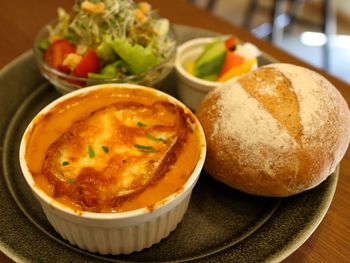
x,y
65,81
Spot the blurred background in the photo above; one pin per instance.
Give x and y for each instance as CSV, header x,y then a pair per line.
x,y
317,31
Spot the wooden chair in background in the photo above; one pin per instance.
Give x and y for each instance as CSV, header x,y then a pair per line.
x,y
281,19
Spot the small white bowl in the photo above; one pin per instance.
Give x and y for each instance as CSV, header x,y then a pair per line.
x,y
119,232
190,89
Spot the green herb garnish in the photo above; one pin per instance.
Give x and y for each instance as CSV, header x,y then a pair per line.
x,y
150,136
91,152
105,149
140,124
71,180
146,149
143,146
65,163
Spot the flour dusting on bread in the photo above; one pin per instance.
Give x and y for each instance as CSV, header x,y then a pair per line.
x,y
243,117
312,99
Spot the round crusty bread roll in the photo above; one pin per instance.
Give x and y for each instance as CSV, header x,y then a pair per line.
x,y
276,131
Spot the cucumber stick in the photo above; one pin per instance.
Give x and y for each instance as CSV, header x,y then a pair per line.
x,y
210,62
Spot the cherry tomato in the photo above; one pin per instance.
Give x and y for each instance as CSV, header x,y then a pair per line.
x,y
230,43
89,64
57,52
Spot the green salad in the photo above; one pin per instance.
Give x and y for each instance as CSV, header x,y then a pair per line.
x,y
107,39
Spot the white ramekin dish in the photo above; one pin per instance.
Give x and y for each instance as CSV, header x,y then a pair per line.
x,y
114,233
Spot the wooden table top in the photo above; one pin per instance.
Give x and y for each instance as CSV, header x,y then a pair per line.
x,y
20,20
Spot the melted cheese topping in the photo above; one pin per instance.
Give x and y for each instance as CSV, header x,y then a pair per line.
x,y
109,158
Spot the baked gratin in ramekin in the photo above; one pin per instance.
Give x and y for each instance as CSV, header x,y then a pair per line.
x,y
113,166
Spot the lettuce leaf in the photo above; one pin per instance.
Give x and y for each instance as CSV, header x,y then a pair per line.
x,y
138,58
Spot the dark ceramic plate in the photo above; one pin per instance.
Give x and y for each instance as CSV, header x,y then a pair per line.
x,y
221,225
